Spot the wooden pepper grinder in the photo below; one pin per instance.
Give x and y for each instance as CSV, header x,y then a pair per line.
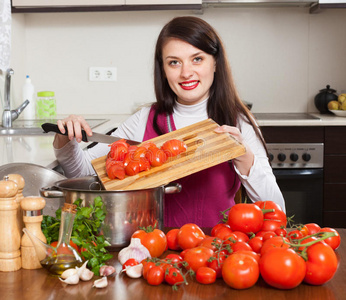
x,y
9,235
32,217
19,180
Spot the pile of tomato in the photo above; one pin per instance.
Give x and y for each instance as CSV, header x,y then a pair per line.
x,y
123,159
253,243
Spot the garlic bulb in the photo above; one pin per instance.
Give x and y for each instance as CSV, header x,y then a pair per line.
x,y
73,279
134,271
106,270
101,283
135,250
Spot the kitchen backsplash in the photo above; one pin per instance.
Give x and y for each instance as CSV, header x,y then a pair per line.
x,y
280,57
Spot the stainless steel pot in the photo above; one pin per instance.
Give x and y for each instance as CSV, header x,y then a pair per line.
x,y
126,210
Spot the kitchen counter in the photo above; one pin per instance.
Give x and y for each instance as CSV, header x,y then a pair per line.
x,y
37,149
37,284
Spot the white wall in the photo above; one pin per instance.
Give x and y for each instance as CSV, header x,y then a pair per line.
x,y
280,57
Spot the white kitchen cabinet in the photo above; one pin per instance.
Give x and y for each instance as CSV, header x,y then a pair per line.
x,y
161,2
51,3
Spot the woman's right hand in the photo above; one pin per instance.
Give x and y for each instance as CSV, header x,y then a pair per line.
x,y
74,125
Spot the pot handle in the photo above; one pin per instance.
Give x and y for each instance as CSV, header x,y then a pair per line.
x,y
51,192
172,188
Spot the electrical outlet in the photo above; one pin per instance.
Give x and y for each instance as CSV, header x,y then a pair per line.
x,y
102,74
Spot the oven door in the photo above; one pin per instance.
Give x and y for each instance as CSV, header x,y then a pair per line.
x,y
303,193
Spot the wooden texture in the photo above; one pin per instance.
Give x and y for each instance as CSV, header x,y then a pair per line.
x,y
205,148
37,284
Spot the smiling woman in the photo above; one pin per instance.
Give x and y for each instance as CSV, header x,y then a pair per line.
x,y
193,82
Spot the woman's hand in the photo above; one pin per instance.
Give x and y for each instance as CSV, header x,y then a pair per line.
x,y
74,125
245,161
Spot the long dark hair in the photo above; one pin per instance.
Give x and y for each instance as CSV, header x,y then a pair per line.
x,y
224,104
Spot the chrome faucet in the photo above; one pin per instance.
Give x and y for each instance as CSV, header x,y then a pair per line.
x,y
9,115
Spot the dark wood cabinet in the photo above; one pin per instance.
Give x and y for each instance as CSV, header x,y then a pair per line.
x,y
334,172
335,176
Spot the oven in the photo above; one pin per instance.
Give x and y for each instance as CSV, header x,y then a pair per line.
x,y
298,168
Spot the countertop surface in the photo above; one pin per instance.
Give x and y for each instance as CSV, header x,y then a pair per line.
x,y
38,149
37,284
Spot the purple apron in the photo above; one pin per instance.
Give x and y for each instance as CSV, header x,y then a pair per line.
x,y
204,194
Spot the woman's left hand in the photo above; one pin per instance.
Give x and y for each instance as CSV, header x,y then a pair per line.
x,y
245,161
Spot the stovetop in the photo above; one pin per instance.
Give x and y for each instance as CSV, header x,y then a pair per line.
x,y
285,116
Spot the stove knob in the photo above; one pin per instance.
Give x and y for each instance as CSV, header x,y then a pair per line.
x,y
281,157
294,156
271,157
306,156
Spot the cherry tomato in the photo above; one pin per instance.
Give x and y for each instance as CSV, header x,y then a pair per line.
x,y
216,262
321,265
240,271
130,262
153,239
174,259
217,227
281,232
64,249
245,217
189,236
147,265
238,246
197,257
333,242
223,232
256,244
173,276
155,275
282,268
210,242
172,239
205,275
237,236
144,164
156,156
312,228
268,235
173,147
294,234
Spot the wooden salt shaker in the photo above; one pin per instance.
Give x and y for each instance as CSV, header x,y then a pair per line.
x,y
19,180
32,217
9,235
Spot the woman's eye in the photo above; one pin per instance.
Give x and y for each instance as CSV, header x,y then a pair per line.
x,y
197,59
173,63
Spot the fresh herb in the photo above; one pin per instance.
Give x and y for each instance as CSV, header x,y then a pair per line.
x,y
85,233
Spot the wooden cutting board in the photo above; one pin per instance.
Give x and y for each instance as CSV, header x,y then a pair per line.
x,y
205,148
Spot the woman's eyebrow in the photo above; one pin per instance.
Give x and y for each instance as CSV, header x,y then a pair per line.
x,y
176,57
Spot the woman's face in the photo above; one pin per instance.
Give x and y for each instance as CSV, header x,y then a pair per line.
x,y
189,71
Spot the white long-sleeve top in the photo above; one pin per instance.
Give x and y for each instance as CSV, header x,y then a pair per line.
x,y
260,183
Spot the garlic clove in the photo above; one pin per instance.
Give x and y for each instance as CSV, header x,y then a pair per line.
x,y
86,275
135,271
106,270
101,283
67,273
82,268
73,279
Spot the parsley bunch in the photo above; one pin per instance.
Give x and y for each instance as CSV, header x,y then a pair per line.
x,y
85,232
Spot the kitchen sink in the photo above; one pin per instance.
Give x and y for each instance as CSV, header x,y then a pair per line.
x,y
33,127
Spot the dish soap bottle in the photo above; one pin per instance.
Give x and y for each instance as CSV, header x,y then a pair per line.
x,y
28,94
62,257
